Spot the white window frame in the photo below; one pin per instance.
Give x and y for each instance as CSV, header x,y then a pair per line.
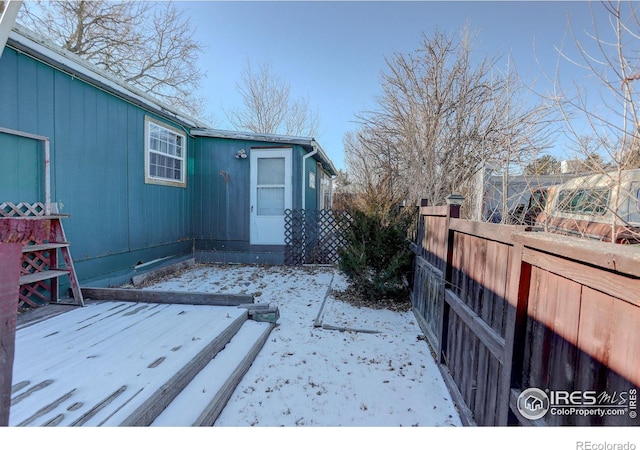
x,y
325,189
148,151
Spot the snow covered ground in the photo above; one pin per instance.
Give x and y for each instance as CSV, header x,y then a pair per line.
x,y
370,388
311,375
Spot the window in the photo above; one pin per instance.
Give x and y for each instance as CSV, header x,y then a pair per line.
x,y
584,201
539,199
325,189
165,154
271,186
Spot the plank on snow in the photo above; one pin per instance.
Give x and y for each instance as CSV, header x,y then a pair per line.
x,y
180,298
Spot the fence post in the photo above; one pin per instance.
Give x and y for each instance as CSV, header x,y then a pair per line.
x,y
10,254
13,233
515,331
454,202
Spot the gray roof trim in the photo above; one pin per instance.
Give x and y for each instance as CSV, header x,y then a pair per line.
x,y
25,41
308,143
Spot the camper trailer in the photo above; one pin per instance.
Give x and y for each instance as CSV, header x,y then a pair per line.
x,y
605,207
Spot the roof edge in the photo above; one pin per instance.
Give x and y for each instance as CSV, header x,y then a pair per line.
x,y
30,43
308,142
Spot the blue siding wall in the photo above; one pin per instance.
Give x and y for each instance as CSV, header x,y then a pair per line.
x,y
97,153
97,177
22,165
221,214
221,194
311,194
19,74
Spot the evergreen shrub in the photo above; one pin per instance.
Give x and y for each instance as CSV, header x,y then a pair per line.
x,y
378,257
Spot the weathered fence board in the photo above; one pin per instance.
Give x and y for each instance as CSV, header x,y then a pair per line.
x,y
430,248
508,310
428,286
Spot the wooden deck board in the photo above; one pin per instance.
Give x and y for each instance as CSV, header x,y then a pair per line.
x,y
202,401
98,364
172,297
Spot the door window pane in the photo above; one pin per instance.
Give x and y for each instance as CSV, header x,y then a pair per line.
x,y
270,171
270,201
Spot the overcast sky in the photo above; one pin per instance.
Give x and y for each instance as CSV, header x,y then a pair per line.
x,y
334,51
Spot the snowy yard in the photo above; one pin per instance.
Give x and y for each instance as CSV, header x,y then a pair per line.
x,y
310,375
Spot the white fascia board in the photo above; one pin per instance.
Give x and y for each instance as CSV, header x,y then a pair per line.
x,y
8,20
325,159
249,136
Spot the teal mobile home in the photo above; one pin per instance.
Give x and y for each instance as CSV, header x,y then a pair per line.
x,y
143,184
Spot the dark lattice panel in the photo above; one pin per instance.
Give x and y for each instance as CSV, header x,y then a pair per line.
x,y
37,293
294,237
314,236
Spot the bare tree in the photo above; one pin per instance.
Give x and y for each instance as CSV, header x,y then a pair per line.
x,y
608,56
367,169
609,141
268,106
442,113
148,44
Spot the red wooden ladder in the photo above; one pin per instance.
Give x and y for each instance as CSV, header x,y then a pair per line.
x,y
41,269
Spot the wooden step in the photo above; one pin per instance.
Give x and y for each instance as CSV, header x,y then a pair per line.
x,y
144,414
203,399
43,247
114,363
41,276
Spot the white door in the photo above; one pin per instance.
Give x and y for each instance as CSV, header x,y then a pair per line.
x,y
270,194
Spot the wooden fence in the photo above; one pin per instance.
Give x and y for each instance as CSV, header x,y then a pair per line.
x,y
507,310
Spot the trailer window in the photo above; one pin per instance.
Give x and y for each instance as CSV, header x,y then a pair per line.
x,y
593,202
567,201
165,154
538,199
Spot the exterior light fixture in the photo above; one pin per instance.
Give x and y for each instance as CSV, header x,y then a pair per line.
x,y
241,154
